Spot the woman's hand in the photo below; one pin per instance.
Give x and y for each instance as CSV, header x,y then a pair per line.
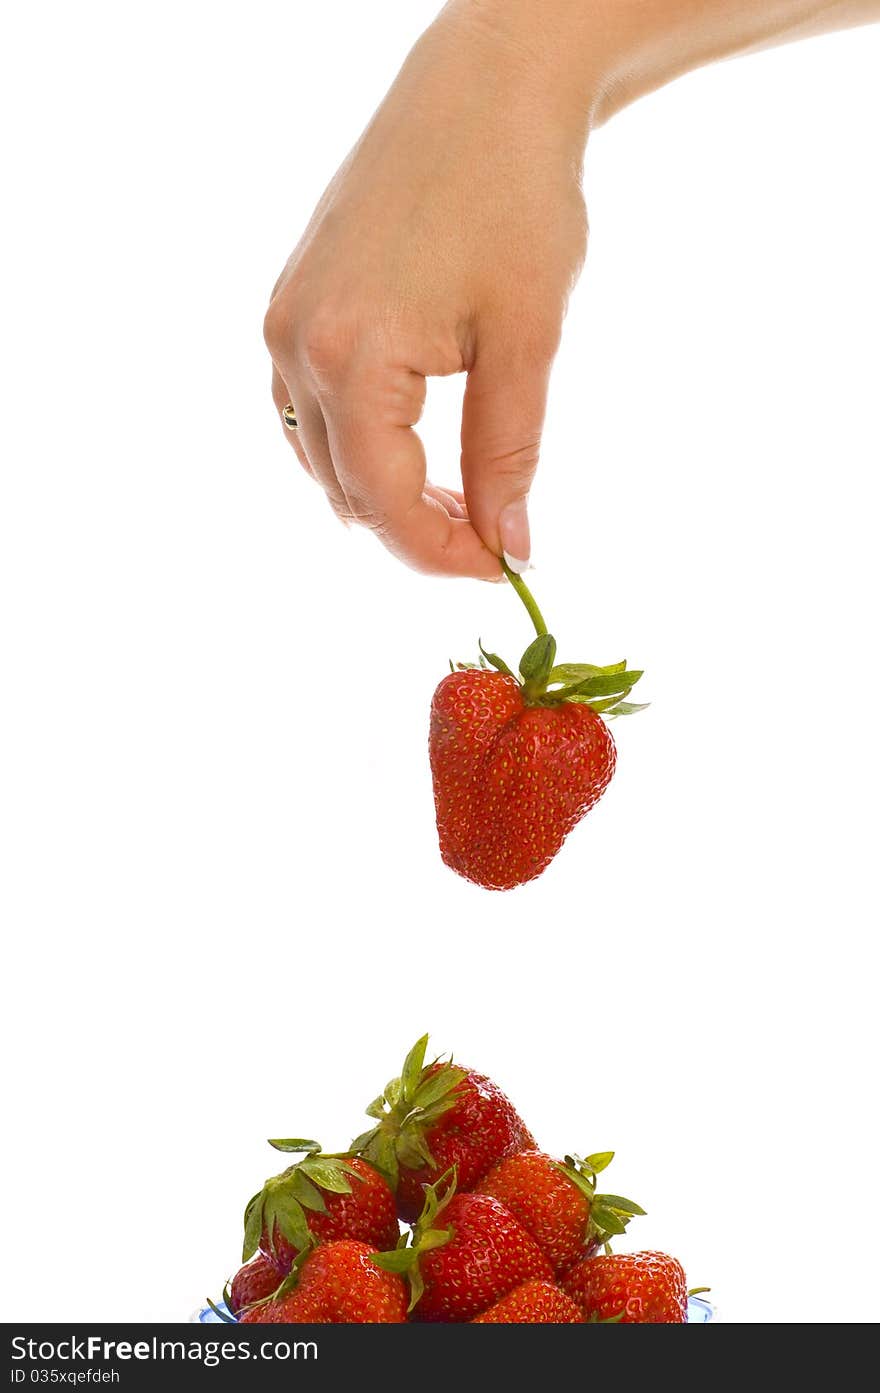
x,y
449,241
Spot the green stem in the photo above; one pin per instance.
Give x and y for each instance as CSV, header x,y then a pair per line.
x,y
527,598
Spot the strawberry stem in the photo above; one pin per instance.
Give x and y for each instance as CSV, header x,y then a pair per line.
x,y
527,598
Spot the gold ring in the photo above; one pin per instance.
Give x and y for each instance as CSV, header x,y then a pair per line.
x,y
288,416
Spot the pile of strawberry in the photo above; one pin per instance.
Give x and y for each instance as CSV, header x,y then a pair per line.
x,y
499,1231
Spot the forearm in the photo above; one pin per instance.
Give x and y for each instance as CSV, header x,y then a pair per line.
x,y
600,55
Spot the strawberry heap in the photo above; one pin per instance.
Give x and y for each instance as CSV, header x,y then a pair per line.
x,y
517,761
445,1210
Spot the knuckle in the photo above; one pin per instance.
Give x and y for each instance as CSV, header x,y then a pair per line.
x,y
539,336
340,508
277,326
320,339
577,224
513,463
531,332
325,343
369,517
368,513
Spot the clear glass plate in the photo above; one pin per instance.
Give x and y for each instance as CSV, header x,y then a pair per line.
x,y
699,1312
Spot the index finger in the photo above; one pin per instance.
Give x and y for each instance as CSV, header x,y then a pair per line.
x,y
380,463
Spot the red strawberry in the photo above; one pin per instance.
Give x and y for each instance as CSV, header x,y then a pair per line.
x,y
534,1303
467,1252
253,1282
517,763
337,1283
634,1288
434,1117
319,1198
556,1202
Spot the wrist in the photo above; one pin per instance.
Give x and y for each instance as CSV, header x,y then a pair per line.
x,y
544,50
573,51
593,57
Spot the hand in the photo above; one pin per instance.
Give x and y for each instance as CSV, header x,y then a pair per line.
x,y
449,241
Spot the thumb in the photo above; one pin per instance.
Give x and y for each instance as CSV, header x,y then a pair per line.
x,y
502,418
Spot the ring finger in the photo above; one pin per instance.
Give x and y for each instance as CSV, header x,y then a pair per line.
x,y
309,439
281,398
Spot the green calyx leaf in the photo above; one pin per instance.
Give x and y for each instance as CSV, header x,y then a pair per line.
x,y
416,1288
225,1316
603,684
580,1182
498,663
285,1214
423,1238
411,1073
545,683
403,1261
379,1147
626,708
588,1167
399,1260
608,1214
605,689
294,1145
291,1281
605,1222
411,1150
437,1197
436,1093
331,1173
253,1226
599,1161
307,1195
285,1200
619,1205
604,707
405,1111
567,673
536,663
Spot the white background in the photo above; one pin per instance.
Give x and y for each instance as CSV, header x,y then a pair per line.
x,y
224,910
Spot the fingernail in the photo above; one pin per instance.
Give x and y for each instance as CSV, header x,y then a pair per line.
x,y
513,528
514,564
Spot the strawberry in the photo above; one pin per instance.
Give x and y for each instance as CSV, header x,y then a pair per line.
x,y
556,1202
318,1198
466,1252
251,1283
336,1283
434,1117
516,763
533,1303
632,1288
